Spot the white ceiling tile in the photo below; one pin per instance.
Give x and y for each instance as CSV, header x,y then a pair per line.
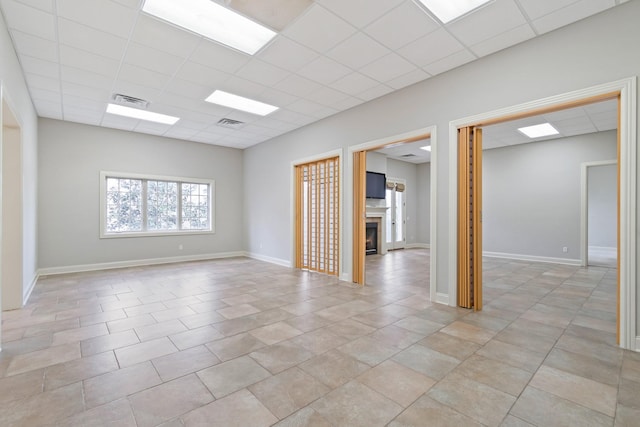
x,y
277,97
359,12
49,109
133,4
152,128
193,125
324,112
326,96
46,5
38,66
450,62
188,89
347,103
291,117
504,40
202,75
357,51
408,21
29,20
571,13
375,92
408,79
37,47
84,103
495,18
319,29
86,38
112,17
610,106
80,115
152,59
88,92
159,35
431,48
242,87
262,73
142,76
271,123
287,54
41,82
324,70
261,130
84,60
242,116
304,106
298,86
214,55
45,95
538,8
388,67
354,83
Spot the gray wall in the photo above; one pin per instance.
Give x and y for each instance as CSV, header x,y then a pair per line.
x,y
16,94
423,210
555,63
72,156
603,205
531,194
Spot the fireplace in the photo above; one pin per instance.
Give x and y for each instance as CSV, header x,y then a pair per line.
x,y
372,238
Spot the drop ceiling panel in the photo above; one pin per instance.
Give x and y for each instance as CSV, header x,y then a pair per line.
x,y
29,20
324,70
319,29
495,18
28,45
167,38
287,54
86,38
431,48
357,51
408,22
571,13
504,40
388,67
337,54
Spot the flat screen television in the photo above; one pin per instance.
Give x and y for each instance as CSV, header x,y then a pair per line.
x,y
376,185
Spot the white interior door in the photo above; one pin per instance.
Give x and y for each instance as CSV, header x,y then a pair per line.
x,y
396,214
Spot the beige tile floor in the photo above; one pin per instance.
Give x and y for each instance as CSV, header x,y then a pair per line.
x,y
239,342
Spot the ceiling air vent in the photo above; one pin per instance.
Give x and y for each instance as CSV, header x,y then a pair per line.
x,y
130,101
230,123
408,155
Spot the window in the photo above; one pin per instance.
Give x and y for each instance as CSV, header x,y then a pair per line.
x,y
137,205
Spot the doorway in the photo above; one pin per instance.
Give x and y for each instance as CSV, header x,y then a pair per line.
x,y
599,214
624,91
396,216
11,273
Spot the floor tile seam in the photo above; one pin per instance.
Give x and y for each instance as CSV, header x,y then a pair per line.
x,y
574,403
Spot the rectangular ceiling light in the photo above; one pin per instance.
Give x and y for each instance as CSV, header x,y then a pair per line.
x,y
240,103
213,21
538,131
448,10
426,148
134,113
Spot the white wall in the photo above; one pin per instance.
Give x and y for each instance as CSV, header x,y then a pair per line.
x,y
423,217
71,158
555,63
602,205
531,195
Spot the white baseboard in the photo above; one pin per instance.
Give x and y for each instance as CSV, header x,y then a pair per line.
x,y
442,298
134,263
534,258
418,246
32,285
271,260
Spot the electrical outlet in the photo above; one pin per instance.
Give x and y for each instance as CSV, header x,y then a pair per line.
x,y
565,249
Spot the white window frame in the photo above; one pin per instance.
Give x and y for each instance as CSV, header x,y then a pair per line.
x,y
180,180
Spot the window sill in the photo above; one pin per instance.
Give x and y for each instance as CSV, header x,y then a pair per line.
x,y
155,234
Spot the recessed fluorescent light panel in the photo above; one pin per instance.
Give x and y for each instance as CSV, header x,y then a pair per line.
x,y
134,113
426,148
240,103
448,10
538,131
213,21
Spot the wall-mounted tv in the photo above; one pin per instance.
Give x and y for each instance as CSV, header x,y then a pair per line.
x,y
376,185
